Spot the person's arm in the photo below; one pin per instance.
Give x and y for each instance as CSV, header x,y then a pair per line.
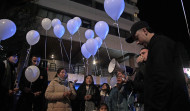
x,y
51,94
73,91
24,83
138,83
2,70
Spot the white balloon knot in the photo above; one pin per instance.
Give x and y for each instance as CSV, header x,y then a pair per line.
x,y
115,24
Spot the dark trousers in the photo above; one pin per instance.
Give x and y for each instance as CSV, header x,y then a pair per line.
x,y
27,102
4,99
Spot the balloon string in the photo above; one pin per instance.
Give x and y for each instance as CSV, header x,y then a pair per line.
x,y
94,60
26,59
66,54
99,60
107,50
81,46
185,18
1,47
65,50
61,49
87,67
30,85
45,48
96,69
80,39
70,53
45,44
84,63
121,44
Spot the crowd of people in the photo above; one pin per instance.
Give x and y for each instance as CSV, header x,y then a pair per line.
x,y
158,84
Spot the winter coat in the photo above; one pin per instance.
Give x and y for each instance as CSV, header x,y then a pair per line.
x,y
93,102
104,97
164,81
7,82
8,75
188,87
118,100
138,83
54,95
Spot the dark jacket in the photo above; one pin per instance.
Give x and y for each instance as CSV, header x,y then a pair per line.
x,y
39,85
81,92
164,80
27,99
8,75
119,100
138,83
7,82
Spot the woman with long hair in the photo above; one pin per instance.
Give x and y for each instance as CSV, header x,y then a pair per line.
x,y
88,95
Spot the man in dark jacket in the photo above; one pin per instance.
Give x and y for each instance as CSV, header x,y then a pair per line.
x,y
138,81
32,96
8,81
164,82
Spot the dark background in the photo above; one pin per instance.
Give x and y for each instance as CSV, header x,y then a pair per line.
x,y
167,17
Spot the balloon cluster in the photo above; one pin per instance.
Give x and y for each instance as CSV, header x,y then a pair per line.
x,y
91,46
32,37
73,25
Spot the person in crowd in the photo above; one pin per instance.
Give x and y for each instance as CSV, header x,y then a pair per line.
x,y
103,107
88,95
187,79
32,97
164,82
104,92
60,92
8,81
120,98
138,81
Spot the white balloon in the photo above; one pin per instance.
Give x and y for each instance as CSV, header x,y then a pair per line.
x,y
101,29
7,29
32,73
79,21
89,34
114,8
46,23
32,37
55,22
84,51
59,30
99,40
72,26
92,46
